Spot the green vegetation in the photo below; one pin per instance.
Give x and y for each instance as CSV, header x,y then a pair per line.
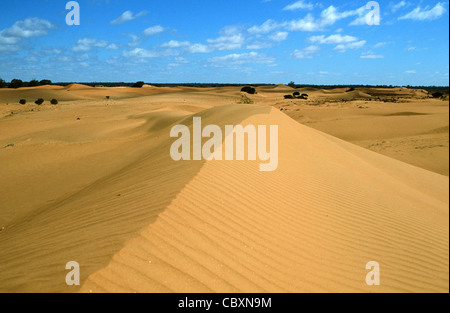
x,y
54,101
39,101
16,83
249,90
246,100
139,84
23,101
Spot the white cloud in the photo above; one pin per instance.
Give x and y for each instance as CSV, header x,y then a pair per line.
x,y
380,44
134,40
154,30
332,39
419,14
198,48
306,53
188,46
410,72
398,6
87,44
112,46
239,59
259,45
328,17
176,44
126,17
265,28
140,53
362,17
299,5
306,24
279,36
227,42
371,55
30,27
350,46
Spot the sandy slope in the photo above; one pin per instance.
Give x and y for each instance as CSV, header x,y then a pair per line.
x,y
102,190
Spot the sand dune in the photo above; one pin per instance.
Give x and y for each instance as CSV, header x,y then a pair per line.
x,y
93,182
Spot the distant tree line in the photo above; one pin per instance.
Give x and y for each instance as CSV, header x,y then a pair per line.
x,y
18,83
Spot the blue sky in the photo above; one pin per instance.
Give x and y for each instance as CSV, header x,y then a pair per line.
x,y
253,41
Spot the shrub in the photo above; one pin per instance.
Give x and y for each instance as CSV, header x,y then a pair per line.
x,y
33,83
39,101
107,97
16,83
246,100
437,94
23,101
249,90
138,84
45,82
351,89
296,94
288,97
54,101
304,96
2,83
292,84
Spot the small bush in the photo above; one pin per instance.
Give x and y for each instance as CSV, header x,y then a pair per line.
x,y
108,97
246,100
138,84
351,89
39,101
437,94
23,101
288,97
249,90
304,96
296,94
54,101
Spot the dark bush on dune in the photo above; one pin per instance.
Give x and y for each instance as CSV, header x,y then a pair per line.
x,y
54,101
138,85
39,101
351,89
437,94
304,96
249,90
23,101
296,94
288,97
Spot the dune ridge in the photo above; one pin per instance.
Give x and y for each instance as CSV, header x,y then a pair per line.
x,y
233,229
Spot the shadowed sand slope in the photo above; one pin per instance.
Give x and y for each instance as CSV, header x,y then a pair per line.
x,y
156,225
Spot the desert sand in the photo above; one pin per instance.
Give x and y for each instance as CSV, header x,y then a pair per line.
x,y
91,180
